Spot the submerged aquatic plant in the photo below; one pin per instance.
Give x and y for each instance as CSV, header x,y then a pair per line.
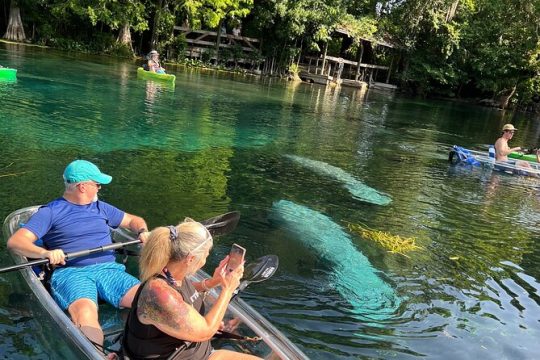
x,y
392,243
11,174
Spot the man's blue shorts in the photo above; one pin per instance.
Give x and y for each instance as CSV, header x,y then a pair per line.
x,y
107,281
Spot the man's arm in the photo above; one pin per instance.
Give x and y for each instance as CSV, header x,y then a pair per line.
x,y
135,224
22,243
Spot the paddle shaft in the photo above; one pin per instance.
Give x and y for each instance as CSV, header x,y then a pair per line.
x,y
72,255
218,225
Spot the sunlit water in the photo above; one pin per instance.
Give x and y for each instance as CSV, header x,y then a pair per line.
x,y
216,142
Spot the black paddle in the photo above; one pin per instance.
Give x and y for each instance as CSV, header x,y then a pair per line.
x,y
218,225
259,270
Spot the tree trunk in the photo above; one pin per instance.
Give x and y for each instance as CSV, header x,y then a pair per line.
x,y
452,11
505,99
218,40
15,30
124,36
154,38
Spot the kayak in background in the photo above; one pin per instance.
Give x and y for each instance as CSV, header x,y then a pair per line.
x,y
7,74
523,156
460,155
155,76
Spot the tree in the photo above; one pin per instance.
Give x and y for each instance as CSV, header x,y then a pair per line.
x,y
122,15
15,29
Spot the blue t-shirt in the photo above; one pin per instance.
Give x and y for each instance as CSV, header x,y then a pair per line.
x,y
70,227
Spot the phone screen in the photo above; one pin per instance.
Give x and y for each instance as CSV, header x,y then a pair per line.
x,y
236,257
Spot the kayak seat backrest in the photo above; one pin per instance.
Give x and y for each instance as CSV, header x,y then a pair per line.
x,y
491,152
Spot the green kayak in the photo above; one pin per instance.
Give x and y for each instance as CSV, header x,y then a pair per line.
x,y
155,76
522,156
8,74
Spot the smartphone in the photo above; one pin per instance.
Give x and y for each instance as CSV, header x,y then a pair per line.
x,y
236,257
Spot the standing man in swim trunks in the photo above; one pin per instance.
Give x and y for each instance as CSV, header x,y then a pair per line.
x,y
79,221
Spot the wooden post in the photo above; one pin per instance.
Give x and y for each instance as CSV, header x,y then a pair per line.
x,y
339,71
359,61
324,59
389,70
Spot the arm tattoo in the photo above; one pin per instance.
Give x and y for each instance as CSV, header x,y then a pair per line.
x,y
159,304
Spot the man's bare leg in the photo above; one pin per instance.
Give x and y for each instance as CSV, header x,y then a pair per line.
x,y
84,313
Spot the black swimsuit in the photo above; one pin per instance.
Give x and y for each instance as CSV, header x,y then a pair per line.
x,y
143,341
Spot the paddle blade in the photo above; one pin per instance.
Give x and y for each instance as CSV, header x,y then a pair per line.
x,y
222,224
257,271
261,269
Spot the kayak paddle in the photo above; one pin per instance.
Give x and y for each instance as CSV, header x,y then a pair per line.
x,y
218,225
259,270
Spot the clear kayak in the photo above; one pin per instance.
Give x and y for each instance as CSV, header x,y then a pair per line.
x,y
259,336
155,76
460,155
7,74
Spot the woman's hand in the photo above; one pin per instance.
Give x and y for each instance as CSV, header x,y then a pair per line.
x,y
231,279
217,278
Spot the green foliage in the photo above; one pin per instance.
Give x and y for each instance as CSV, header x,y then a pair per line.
x,y
211,13
179,46
485,46
120,50
208,55
237,53
294,69
359,28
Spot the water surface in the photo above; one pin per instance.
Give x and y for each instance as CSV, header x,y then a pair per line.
x,y
217,142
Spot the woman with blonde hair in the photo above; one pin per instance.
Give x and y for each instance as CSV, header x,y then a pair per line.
x,y
168,319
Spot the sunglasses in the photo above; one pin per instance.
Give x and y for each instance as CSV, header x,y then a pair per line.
x,y
97,185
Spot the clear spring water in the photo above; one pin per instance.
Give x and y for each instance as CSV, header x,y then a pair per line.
x,y
217,142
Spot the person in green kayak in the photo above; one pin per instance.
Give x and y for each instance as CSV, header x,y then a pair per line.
x,y
502,150
168,319
79,221
153,64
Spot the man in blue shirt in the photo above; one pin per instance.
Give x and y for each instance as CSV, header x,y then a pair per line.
x,y
79,221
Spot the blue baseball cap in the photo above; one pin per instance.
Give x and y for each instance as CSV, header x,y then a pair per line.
x,y
82,170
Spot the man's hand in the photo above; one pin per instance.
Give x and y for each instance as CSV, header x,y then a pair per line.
x,y
143,236
55,257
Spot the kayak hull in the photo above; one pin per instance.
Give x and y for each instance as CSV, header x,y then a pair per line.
x,y
459,155
274,345
169,78
7,74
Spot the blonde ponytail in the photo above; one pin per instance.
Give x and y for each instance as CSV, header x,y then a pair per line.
x,y
156,253
163,246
